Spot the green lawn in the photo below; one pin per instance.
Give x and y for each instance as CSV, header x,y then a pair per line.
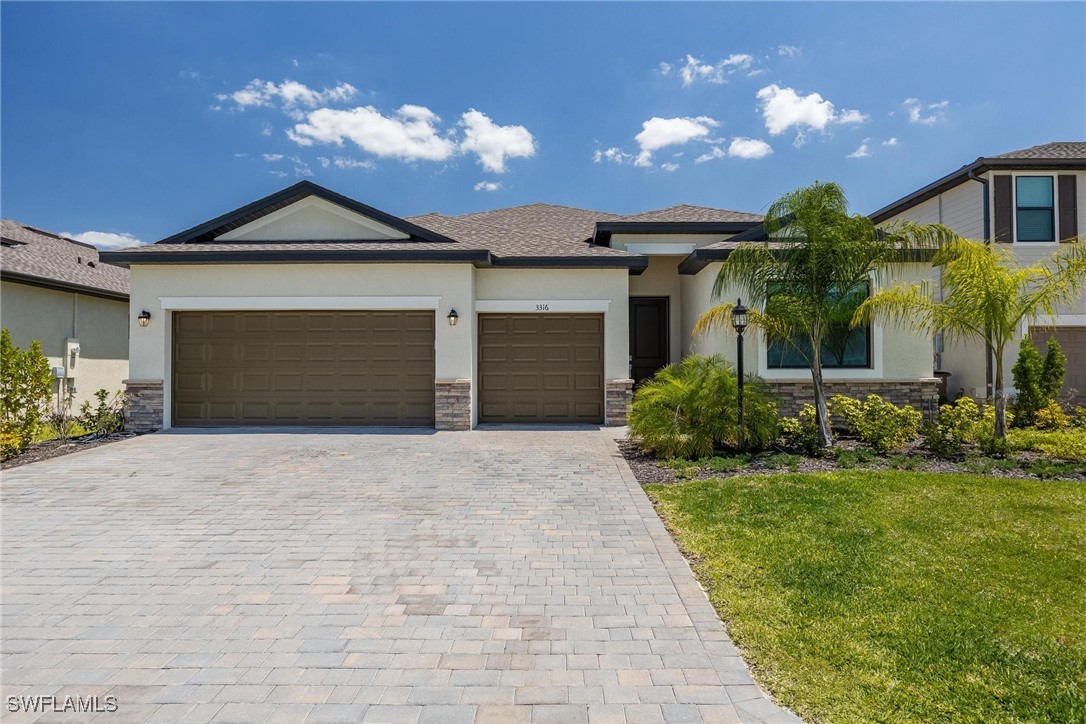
x,y
897,596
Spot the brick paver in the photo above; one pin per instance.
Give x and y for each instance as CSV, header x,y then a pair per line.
x,y
487,576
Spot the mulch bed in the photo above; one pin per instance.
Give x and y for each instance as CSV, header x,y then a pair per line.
x,y
55,448
649,470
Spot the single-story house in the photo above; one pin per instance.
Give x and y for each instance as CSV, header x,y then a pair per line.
x,y
58,291
310,308
1030,200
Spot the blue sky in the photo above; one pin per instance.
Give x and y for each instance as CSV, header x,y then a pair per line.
x,y
144,119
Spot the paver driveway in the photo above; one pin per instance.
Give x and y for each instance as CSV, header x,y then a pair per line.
x,y
503,575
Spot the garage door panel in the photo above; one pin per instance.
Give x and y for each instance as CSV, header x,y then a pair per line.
x,y
541,368
303,368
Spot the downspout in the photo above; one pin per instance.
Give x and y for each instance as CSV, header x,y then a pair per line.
x,y
989,371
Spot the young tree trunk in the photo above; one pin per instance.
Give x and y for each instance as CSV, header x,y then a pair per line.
x,y
825,433
1000,400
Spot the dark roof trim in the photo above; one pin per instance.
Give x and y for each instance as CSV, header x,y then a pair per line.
x,y
58,286
303,189
198,256
635,264
981,165
701,258
604,229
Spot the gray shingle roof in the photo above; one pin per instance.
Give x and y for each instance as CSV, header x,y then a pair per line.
x,y
686,212
1055,151
564,223
37,255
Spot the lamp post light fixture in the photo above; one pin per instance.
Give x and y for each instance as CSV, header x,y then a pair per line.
x,y
453,318
739,323
144,318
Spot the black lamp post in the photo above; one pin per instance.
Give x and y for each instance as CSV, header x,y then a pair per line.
x,y
739,322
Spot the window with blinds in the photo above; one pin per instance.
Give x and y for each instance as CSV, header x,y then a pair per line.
x,y
1035,218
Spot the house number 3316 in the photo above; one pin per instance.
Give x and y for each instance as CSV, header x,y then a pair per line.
x,y
542,307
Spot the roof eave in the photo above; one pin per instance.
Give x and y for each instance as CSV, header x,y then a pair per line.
x,y
635,264
62,286
479,257
956,178
605,229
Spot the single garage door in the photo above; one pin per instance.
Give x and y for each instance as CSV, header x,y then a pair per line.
x,y
303,368
1073,343
541,368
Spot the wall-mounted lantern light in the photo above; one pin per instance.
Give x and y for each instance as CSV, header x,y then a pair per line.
x,y
144,318
453,318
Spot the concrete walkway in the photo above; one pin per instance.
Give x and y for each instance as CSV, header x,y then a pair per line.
x,y
490,576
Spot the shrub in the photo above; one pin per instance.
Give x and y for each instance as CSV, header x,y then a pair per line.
x,y
882,425
906,462
1053,370
731,464
1051,417
26,385
955,428
1028,371
1047,470
105,418
1064,444
782,460
800,433
689,409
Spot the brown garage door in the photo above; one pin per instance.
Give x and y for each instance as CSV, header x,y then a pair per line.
x,y
303,368
541,368
1073,343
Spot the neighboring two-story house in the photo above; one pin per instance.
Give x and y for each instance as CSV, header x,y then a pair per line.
x,y
59,292
1032,200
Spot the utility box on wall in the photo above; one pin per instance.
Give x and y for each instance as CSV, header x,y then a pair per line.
x,y
71,357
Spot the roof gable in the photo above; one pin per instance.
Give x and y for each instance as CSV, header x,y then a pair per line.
x,y
218,227
313,218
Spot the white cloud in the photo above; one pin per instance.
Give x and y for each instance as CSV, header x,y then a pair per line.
x,y
669,167
890,142
188,74
487,186
657,133
492,143
241,155
789,51
409,134
665,68
784,108
695,69
926,114
302,171
346,162
324,161
749,148
280,174
290,94
104,239
852,116
863,151
613,155
740,147
295,62
273,157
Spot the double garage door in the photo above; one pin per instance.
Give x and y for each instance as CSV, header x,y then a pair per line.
x,y
377,368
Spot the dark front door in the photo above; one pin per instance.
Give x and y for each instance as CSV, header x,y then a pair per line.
x,y
648,336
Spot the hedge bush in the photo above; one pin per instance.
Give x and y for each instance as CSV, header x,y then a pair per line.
x,y
881,424
689,409
26,386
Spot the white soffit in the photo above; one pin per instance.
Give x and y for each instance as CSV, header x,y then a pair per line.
x,y
313,218
662,249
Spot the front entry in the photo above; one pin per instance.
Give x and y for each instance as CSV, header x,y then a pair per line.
x,y
648,337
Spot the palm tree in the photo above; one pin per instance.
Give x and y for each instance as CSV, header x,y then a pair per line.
x,y
805,282
987,296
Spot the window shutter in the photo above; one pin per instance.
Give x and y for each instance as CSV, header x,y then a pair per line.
x,y
1004,209
1068,208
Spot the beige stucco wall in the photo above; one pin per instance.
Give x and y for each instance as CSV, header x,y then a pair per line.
x,y
897,352
662,279
453,283
51,317
547,286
